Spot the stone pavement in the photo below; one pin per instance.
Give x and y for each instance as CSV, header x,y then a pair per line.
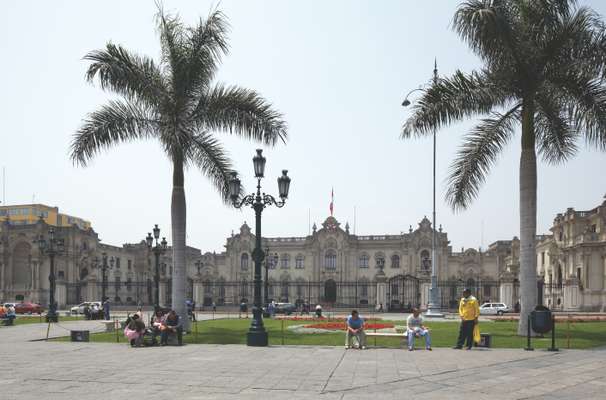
x,y
56,370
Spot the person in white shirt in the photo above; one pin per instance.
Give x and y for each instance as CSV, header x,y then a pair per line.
x,y
415,328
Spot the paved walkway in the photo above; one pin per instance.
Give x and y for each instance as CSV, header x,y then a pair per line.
x,y
57,370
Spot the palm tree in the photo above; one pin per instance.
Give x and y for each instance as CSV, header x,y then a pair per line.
x,y
543,69
176,102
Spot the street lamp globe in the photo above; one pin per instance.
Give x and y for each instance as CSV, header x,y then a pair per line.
x,y
406,103
149,240
283,184
164,243
259,164
234,186
156,232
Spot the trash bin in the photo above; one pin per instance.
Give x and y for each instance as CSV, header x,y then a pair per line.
x,y
485,340
79,336
541,321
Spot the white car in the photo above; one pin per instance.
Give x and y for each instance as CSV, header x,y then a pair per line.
x,y
494,309
79,309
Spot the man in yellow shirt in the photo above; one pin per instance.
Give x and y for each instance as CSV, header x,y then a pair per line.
x,y
469,311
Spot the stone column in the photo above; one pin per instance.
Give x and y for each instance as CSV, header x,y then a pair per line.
x,y
424,287
381,280
506,290
572,296
91,289
198,291
60,293
162,292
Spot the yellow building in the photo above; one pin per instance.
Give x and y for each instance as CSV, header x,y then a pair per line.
x,y
24,214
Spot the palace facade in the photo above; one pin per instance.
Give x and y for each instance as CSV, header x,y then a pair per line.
x,y
330,266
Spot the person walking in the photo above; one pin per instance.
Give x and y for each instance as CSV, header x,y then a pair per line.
x,y
106,309
469,311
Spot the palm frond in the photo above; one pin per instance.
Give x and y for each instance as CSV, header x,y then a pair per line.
x,y
477,154
206,45
209,156
452,99
136,78
173,50
555,137
114,123
242,112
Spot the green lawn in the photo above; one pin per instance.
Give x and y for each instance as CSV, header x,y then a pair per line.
x,y
444,334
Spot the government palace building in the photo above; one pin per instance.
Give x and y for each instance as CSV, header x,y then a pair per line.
x,y
331,266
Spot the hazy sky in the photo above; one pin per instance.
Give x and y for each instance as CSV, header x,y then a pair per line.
x,y
338,70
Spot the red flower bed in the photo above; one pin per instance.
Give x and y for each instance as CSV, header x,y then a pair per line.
x,y
325,319
341,326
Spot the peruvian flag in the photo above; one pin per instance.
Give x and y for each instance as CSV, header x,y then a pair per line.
x,y
332,200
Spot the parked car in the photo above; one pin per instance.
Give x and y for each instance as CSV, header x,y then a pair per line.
x,y
285,308
28,308
494,309
79,309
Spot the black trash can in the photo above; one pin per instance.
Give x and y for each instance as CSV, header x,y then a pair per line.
x,y
79,336
541,321
485,340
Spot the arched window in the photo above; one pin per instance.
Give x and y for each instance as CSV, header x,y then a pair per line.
x,y
470,283
425,260
244,262
363,261
330,260
300,261
395,261
285,261
363,288
299,289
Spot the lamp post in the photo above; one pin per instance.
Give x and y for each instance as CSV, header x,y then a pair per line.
x,y
104,268
268,263
51,247
158,250
257,335
433,308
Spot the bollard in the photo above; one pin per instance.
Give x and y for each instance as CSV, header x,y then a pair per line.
x,y
117,324
553,348
528,348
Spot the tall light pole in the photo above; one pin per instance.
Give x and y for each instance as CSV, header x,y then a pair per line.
x,y
51,247
158,249
433,308
257,335
104,268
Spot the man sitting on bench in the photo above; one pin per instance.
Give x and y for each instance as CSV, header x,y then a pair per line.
x,y
171,324
355,328
415,328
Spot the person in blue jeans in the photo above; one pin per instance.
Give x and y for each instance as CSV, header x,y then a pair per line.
x,y
355,328
171,324
415,328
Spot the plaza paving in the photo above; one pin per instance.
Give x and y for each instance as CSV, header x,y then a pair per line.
x,y
63,370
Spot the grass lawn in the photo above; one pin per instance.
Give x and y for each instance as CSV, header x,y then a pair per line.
x,y
444,334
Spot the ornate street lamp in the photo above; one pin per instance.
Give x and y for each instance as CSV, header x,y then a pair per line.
x,y
433,308
104,267
51,247
158,250
257,335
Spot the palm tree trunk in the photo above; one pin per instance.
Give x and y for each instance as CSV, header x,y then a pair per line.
x,y
528,217
178,220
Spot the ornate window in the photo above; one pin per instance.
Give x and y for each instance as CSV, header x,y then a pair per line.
x,y
363,261
300,261
425,260
395,261
244,262
285,261
330,260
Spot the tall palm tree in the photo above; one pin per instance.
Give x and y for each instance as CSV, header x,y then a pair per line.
x,y
544,66
176,102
